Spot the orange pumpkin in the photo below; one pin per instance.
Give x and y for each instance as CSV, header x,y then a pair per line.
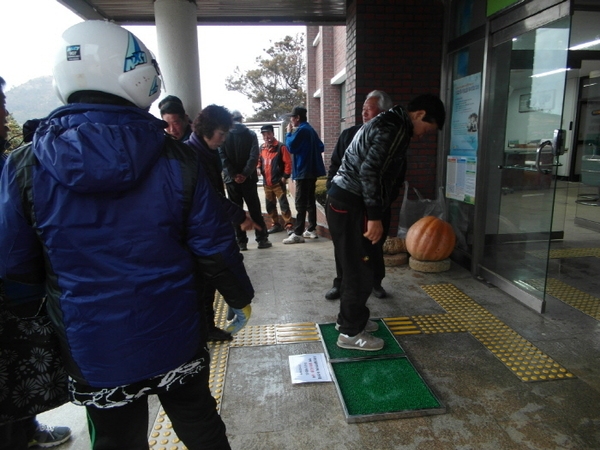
x,y
430,239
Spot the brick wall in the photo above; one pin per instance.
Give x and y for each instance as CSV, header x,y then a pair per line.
x,y
339,48
330,94
397,47
392,46
324,111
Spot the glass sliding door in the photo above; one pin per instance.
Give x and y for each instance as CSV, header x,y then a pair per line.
x,y
527,86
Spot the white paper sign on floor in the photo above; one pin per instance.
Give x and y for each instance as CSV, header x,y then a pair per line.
x,y
309,368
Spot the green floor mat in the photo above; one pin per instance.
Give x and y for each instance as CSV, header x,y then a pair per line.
x,y
377,385
330,335
388,388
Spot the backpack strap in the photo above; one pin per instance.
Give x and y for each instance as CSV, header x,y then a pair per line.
x,y
24,161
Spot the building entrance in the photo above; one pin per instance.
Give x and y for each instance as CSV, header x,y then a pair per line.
x,y
535,71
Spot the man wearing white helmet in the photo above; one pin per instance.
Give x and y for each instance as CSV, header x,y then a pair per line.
x,y
115,217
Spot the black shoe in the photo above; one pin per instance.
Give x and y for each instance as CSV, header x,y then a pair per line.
x,y
243,246
333,293
275,229
379,292
216,334
265,244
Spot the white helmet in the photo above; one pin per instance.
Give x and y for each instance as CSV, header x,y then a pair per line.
x,y
101,56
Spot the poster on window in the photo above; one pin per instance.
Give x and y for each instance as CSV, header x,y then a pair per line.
x,y
464,130
461,174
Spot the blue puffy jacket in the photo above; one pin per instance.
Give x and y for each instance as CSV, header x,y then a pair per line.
x,y
115,219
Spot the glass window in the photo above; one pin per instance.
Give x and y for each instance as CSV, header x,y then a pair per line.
x,y
343,107
465,62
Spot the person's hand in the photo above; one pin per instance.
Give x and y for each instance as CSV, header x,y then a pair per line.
x,y
290,127
240,320
374,231
239,178
249,224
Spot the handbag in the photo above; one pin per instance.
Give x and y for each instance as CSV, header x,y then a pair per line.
x,y
32,374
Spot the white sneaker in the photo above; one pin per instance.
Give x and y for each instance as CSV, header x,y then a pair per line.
x,y
310,235
293,239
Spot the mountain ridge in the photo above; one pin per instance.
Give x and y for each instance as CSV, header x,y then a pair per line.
x,y
33,99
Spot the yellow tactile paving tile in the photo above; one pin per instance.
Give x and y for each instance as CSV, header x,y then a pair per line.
x,y
401,326
584,302
162,436
297,332
218,368
463,314
567,253
252,335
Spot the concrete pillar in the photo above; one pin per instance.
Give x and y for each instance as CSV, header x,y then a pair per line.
x,y
177,36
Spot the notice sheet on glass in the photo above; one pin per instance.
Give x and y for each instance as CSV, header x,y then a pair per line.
x,y
461,167
461,173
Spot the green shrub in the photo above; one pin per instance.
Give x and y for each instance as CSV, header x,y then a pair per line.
x,y
321,190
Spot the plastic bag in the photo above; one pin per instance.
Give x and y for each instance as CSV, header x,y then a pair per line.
x,y
413,210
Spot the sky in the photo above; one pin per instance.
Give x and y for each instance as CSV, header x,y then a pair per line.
x,y
30,31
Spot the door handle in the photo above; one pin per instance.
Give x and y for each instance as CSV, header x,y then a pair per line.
x,y
543,168
558,142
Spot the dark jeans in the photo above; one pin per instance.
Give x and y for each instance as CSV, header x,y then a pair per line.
x,y
247,192
347,223
190,407
378,262
16,435
305,203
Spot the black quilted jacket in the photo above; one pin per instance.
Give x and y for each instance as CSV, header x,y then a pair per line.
x,y
374,164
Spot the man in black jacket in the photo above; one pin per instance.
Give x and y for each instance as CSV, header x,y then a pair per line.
x,y
376,102
239,155
360,192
